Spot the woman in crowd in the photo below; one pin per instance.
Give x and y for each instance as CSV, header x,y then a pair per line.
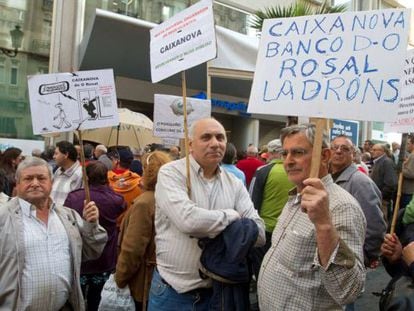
x,y
94,273
10,159
137,253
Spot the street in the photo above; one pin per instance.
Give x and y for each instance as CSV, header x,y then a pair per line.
x,y
376,281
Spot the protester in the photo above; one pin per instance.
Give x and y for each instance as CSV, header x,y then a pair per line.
x,y
136,164
228,161
4,198
250,163
136,259
36,152
42,244
395,152
384,176
357,159
9,161
122,180
398,254
316,259
68,176
215,199
94,273
47,155
175,152
269,192
408,174
364,190
100,154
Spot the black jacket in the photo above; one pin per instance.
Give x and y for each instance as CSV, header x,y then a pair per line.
x,y
225,260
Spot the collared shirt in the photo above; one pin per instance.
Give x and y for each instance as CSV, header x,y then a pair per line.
x,y
179,220
47,270
291,276
65,181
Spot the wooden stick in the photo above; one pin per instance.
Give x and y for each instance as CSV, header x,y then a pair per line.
x,y
317,147
400,182
84,176
187,152
397,204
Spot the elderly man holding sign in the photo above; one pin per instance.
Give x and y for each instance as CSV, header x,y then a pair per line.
x,y
42,245
316,260
216,200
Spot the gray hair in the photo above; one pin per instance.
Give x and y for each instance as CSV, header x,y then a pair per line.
x,y
308,129
30,162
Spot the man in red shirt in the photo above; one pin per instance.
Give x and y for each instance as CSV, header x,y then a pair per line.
x,y
250,164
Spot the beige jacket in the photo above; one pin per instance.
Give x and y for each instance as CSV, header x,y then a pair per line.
x,y
86,242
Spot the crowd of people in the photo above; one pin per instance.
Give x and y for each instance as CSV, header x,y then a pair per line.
x,y
197,236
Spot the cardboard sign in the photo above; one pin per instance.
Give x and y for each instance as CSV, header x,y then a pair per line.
x,y
65,102
183,41
404,121
169,114
344,66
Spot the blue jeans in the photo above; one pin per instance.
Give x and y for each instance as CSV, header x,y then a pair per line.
x,y
163,297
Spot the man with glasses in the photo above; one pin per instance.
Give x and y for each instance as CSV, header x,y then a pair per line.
x,y
316,260
346,174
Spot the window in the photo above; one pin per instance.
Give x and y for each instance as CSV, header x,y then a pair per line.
x,y
2,72
13,75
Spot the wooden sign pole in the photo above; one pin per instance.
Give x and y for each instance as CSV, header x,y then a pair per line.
x,y
84,176
317,146
186,143
400,182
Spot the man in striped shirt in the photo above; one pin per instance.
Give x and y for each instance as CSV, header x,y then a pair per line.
x,y
216,199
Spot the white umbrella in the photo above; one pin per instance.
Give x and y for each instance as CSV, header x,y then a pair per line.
x,y
134,130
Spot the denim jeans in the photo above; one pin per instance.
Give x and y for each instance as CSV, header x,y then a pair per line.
x,y
163,297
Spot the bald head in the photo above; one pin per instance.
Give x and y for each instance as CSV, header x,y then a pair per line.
x,y
252,151
208,144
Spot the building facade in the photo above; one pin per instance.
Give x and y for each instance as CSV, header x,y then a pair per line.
x,y
53,31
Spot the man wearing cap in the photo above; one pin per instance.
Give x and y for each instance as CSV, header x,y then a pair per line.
x,y
122,180
100,154
269,192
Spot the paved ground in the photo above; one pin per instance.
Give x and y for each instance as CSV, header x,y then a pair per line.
x,y
376,281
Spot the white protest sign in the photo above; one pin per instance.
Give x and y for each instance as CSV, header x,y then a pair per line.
x,y
345,66
404,121
183,41
64,102
169,114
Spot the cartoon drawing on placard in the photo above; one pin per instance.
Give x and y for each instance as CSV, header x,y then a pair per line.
x,y
72,101
90,107
61,117
177,107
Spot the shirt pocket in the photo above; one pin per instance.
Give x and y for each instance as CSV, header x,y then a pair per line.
x,y
297,250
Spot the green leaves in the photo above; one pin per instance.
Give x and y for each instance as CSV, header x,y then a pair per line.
x,y
300,8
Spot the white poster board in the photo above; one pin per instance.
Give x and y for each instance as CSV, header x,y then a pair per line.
x,y
183,41
26,145
169,114
345,66
64,102
404,120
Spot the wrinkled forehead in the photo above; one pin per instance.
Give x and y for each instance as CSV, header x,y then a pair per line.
x,y
342,140
209,127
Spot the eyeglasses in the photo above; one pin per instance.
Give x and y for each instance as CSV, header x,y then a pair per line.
x,y
343,148
295,153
